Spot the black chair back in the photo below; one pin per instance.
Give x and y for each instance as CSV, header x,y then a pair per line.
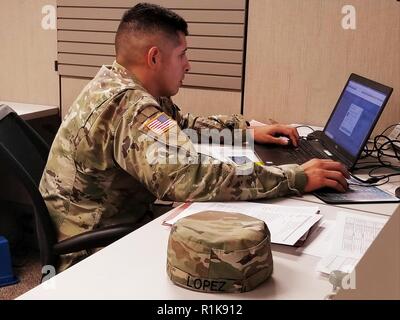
x,y
24,153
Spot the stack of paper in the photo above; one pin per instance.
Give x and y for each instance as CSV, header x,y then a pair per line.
x,y
319,242
287,224
353,234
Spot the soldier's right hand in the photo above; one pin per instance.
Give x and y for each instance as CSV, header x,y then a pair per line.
x,y
325,173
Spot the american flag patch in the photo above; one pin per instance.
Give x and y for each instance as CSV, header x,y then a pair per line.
x,y
160,124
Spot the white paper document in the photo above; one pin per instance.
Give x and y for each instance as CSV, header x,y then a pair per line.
x,y
287,224
320,240
230,154
354,233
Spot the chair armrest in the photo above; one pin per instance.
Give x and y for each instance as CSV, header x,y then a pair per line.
x,y
96,238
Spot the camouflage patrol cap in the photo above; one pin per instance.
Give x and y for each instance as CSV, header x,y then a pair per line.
x,y
214,251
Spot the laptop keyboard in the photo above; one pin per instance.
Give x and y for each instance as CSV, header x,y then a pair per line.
x,y
304,152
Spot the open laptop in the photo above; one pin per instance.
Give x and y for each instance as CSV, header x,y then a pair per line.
x,y
346,132
343,139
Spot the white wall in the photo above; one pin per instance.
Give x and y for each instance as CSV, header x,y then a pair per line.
x,y
299,57
27,53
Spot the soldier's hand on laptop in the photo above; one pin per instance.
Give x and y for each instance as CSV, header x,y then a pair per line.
x,y
276,133
325,173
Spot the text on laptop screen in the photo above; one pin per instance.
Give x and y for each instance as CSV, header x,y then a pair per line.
x,y
354,116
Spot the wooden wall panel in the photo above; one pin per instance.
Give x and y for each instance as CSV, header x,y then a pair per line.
x,y
195,80
197,101
196,29
197,67
215,44
207,102
204,55
220,43
212,16
173,4
300,57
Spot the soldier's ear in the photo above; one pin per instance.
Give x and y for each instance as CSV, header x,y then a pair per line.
x,y
153,57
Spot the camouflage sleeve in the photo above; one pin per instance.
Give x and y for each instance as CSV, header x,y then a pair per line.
x,y
235,121
226,129
152,148
189,121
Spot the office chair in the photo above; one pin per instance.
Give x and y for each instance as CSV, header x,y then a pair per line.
x,y
24,153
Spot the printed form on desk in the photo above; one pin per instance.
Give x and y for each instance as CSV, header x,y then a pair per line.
x,y
319,242
287,224
353,234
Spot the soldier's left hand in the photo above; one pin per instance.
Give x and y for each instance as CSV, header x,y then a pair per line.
x,y
276,133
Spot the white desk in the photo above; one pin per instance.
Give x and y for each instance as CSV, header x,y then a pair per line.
x,y
32,111
134,267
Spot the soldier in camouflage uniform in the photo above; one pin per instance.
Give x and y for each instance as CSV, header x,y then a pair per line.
x,y
100,170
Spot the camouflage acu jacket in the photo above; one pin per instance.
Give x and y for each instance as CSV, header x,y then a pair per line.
x,y
104,165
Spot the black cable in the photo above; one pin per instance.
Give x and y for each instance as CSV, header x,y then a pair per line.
x,y
368,182
378,151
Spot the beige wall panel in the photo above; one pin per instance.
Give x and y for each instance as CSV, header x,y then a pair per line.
x,y
89,25
196,101
71,87
77,71
209,29
301,57
228,69
86,36
88,48
84,59
193,41
215,43
196,67
207,102
192,4
28,54
215,55
194,80
198,80
193,54
205,50
116,14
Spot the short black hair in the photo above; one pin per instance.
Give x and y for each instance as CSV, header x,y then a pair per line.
x,y
151,18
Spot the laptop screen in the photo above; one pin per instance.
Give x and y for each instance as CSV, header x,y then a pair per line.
x,y
355,115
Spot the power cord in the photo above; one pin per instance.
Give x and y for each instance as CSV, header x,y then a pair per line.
x,y
370,182
381,146
378,151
